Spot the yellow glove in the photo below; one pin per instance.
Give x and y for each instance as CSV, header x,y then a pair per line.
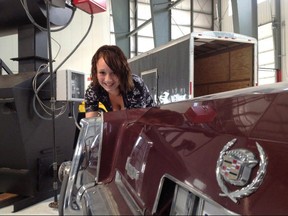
x,y
102,107
81,107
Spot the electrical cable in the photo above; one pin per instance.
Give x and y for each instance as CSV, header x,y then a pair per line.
x,y
25,7
59,45
48,77
76,47
43,106
47,109
80,42
74,116
53,101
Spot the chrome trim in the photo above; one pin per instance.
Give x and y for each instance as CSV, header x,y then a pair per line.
x,y
82,190
201,206
132,172
190,188
254,184
64,170
90,133
135,209
99,200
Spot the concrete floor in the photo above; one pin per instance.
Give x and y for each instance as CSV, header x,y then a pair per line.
x,y
41,208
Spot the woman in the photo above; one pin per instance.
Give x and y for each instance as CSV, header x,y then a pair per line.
x,y
113,85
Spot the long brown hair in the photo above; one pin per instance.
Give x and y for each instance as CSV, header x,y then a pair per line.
x,y
117,61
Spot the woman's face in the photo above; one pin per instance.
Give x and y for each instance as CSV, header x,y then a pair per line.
x,y
107,78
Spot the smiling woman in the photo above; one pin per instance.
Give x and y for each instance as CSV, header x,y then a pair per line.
x,y
113,84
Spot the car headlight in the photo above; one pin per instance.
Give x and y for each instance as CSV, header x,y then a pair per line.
x,y
82,173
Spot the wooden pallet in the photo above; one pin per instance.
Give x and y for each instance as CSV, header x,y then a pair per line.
x,y
5,196
7,199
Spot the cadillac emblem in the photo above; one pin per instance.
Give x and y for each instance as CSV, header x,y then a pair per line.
x,y
235,166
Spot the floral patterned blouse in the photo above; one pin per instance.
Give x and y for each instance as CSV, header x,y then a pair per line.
x,y
139,97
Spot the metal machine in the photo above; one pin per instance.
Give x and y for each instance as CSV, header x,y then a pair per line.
x,y
29,143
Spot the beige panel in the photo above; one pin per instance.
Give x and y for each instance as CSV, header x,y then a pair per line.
x,y
221,87
241,63
201,90
212,69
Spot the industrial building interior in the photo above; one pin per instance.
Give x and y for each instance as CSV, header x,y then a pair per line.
x,y
66,38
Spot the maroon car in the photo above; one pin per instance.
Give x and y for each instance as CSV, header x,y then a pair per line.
x,y
219,154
